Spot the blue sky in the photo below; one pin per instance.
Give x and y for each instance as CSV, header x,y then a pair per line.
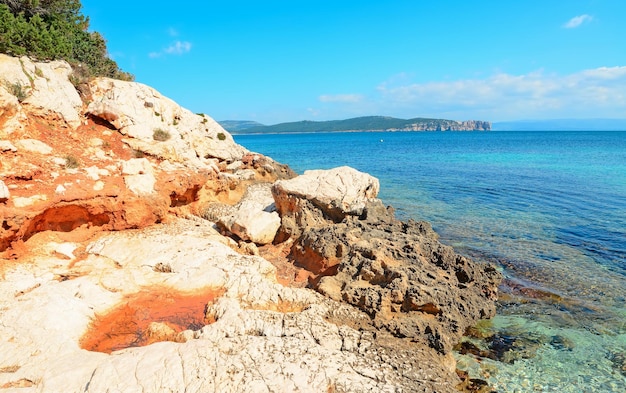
x,y
276,61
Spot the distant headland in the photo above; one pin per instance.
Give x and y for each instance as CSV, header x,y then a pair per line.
x,y
366,123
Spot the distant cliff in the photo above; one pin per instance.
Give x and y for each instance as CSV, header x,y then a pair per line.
x,y
367,123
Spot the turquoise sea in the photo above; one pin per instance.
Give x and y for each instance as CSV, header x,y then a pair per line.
x,y
549,208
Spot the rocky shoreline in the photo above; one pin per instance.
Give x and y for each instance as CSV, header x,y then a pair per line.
x,y
142,249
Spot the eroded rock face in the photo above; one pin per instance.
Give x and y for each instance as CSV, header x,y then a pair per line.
x,y
139,111
265,337
397,272
46,87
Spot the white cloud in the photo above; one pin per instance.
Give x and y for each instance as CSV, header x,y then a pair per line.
x,y
346,98
599,92
176,48
577,21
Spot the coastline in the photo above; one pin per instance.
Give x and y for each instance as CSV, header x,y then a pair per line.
x,y
186,214
534,203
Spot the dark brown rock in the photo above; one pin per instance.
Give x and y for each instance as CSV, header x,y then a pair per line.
x,y
397,272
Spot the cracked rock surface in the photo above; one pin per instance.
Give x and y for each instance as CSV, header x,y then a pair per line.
x,y
265,337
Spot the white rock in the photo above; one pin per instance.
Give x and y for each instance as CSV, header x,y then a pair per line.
x,y
93,172
96,142
59,161
98,186
255,218
33,146
4,192
140,184
7,145
139,176
137,110
51,88
24,202
339,191
60,189
11,111
66,249
249,348
136,166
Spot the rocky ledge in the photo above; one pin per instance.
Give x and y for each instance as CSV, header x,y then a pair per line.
x,y
142,249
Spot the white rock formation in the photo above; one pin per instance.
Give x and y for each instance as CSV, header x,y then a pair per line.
x,y
137,111
7,145
338,192
254,217
4,192
33,146
249,348
46,85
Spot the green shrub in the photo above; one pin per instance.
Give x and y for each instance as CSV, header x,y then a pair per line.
x,y
138,153
71,162
221,136
18,90
52,30
160,135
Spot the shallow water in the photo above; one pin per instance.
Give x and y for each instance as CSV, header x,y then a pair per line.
x,y
548,207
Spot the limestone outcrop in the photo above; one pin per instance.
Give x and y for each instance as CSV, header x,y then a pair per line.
x,y
397,272
43,87
142,114
319,195
142,249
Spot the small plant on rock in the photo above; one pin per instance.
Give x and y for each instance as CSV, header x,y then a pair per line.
x,y
71,162
160,135
18,90
221,136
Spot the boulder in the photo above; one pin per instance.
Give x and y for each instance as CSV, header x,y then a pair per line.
x,y
317,195
158,126
46,86
254,218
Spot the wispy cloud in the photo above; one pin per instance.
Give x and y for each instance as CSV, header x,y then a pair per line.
x,y
598,92
346,98
577,21
176,48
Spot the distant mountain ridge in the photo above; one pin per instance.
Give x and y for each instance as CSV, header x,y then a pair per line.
x,y
238,125
366,123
